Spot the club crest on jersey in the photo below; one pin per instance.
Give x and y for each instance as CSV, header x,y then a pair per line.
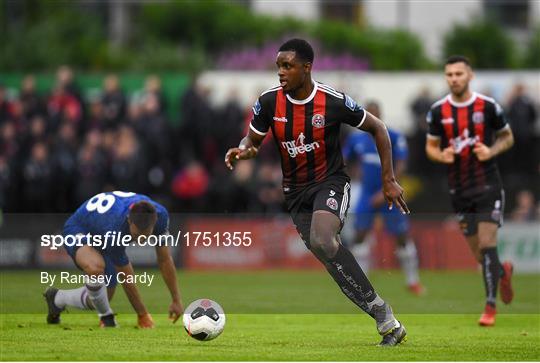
x,y
351,104
478,117
297,146
332,203
256,108
317,120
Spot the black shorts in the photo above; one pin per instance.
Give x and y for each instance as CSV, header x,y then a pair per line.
x,y
485,207
331,195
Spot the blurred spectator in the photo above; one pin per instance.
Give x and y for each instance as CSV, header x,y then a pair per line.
x,y
9,145
153,86
64,157
91,166
4,182
37,132
522,115
197,116
38,180
65,79
419,108
229,125
96,118
189,186
63,106
31,102
525,207
128,166
153,129
113,102
6,107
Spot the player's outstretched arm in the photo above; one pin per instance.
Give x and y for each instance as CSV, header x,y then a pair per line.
x,y
393,192
168,271
248,148
144,319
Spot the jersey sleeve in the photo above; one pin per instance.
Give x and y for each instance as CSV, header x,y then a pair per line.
x,y
433,119
498,120
260,121
351,112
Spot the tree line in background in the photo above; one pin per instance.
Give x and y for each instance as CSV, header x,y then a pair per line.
x,y
193,35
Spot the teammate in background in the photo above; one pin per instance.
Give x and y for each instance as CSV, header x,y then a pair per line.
x,y
467,130
128,213
360,146
305,117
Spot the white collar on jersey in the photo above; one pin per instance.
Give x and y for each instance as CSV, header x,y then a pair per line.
x,y
464,103
303,102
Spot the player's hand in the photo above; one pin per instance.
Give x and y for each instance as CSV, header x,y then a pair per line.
x,y
448,155
482,151
175,311
145,321
239,153
377,200
393,193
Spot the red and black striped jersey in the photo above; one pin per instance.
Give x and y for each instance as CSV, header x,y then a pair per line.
x,y
463,125
306,131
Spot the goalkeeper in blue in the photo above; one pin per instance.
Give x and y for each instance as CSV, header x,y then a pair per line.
x,y
113,214
360,146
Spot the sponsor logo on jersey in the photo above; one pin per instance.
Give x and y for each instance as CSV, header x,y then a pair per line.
x,y
478,117
297,146
448,120
280,119
464,140
332,203
256,108
317,120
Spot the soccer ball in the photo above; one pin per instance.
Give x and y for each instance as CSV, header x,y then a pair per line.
x,y
204,319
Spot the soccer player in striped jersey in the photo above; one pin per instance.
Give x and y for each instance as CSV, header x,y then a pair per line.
x,y
305,117
467,130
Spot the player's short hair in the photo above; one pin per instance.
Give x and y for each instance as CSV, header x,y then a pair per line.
x,y
457,59
143,215
303,49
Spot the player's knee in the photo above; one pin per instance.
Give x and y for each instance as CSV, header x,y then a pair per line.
x,y
323,244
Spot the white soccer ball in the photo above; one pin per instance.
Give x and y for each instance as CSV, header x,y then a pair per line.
x,y
204,319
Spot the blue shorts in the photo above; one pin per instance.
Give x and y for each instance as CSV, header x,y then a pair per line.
x,y
110,270
395,222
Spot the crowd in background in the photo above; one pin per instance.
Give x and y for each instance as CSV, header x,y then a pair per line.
x,y
60,148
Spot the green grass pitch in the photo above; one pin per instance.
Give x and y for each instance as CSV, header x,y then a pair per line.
x,y
279,316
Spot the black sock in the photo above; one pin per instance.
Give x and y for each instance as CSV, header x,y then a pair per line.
x,y
492,271
351,279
